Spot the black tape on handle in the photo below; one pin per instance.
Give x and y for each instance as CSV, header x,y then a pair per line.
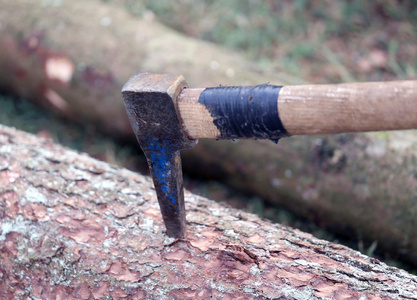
x,y
245,112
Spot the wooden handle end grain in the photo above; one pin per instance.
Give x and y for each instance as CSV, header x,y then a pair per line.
x,y
310,109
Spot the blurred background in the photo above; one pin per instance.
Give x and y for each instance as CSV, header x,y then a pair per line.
x,y
63,63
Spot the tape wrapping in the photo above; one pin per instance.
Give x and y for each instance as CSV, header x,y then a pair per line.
x,y
245,112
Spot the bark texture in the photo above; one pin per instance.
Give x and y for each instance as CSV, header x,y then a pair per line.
x,y
72,227
74,56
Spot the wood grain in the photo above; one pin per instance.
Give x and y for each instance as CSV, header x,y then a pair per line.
x,y
354,107
197,121
322,109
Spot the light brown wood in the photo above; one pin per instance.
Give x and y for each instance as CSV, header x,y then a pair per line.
x,y
321,109
353,107
197,121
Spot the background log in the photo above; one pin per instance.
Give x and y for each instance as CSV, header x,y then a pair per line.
x,y
346,182
76,228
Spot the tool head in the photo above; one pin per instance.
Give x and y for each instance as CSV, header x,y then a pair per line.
x,y
150,101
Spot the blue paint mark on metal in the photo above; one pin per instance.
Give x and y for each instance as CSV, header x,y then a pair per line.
x,y
161,157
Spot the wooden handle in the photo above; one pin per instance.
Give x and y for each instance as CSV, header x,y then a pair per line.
x,y
197,120
351,107
322,109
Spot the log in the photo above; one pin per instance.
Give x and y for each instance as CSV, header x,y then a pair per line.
x,y
342,182
74,57
72,227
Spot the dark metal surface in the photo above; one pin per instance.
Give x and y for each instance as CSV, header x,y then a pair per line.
x,y
150,103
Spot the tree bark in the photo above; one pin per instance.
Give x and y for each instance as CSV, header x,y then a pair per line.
x,y
74,57
73,227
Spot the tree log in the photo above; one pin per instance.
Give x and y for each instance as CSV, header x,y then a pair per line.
x,y
74,56
73,227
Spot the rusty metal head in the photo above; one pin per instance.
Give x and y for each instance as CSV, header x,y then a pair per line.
x,y
150,101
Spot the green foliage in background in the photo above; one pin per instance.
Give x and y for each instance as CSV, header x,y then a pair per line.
x,y
318,40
